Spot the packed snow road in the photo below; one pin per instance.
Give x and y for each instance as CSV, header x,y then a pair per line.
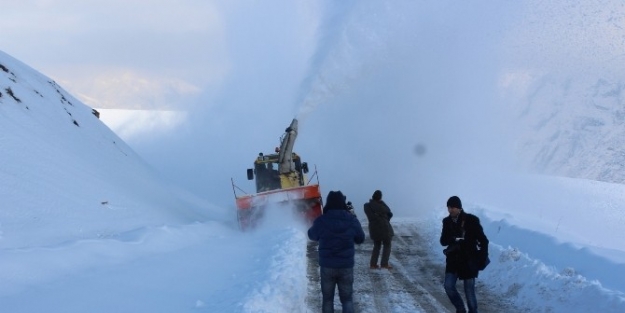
x,y
415,284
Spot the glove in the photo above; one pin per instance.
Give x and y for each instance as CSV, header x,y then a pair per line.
x,y
451,249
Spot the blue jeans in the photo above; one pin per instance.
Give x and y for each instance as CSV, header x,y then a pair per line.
x,y
344,279
454,296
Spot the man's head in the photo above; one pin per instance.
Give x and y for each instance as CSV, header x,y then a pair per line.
x,y
335,201
454,206
377,195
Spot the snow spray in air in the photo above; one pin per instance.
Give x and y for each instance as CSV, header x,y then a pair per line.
x,y
350,36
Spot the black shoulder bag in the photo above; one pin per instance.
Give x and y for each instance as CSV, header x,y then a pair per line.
x,y
482,259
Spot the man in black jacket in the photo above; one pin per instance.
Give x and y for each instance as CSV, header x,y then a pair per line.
x,y
467,251
380,230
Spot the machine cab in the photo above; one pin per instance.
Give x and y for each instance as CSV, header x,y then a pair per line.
x,y
268,177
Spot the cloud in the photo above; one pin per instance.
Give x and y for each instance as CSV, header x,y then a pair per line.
x,y
144,124
121,54
71,17
125,88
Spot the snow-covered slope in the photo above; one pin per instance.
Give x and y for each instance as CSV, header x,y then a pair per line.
x,y
563,76
575,128
48,139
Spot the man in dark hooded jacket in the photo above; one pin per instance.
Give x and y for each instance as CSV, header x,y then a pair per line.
x,y
380,230
336,231
463,234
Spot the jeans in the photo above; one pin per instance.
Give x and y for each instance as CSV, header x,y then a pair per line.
x,y
386,252
344,279
454,296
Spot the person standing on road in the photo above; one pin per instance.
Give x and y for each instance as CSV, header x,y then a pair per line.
x,y
380,230
336,230
462,234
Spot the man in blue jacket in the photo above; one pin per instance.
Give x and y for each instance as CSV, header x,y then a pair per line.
x,y
336,231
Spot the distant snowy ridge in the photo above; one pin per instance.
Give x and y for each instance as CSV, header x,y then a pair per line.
x,y
562,77
575,128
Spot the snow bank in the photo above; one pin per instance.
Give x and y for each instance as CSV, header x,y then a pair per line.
x,y
284,287
530,281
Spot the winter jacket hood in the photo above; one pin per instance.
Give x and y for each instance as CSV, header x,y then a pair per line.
x,y
335,201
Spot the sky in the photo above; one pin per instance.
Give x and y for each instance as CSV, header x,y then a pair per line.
x,y
88,226
421,100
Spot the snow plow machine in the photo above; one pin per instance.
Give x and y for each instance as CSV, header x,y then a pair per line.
x,y
281,181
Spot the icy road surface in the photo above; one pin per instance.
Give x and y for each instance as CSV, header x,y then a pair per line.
x,y
415,284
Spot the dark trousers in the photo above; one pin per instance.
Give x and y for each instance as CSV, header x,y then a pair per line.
x,y
454,296
386,252
344,279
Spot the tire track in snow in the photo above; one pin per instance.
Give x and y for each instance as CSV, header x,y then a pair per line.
x,y
410,254
313,299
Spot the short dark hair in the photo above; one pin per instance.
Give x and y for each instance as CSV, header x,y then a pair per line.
x,y
454,202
